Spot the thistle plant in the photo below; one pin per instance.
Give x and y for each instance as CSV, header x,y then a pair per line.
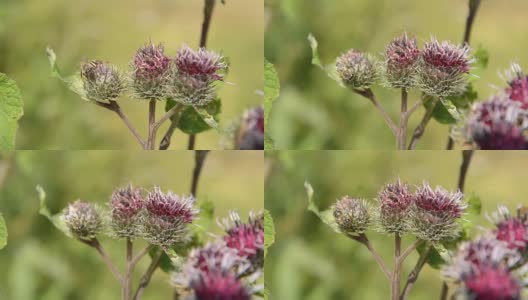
x,y
432,215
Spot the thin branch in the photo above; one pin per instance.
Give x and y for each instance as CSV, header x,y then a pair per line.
x,y
152,119
467,155
370,96
402,131
413,276
140,255
97,246
419,131
362,238
113,106
415,106
191,142
127,287
395,284
166,140
409,250
145,279
199,159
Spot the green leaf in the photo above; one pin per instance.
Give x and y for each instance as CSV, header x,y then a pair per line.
x,y
434,259
166,264
271,93
189,121
326,216
55,219
330,70
451,108
481,58
10,112
269,231
3,232
461,102
73,82
207,118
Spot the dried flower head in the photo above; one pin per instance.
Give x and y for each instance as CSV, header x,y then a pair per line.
x,y
395,201
126,206
194,78
443,69
246,238
356,69
102,82
497,124
250,134
436,213
83,220
352,215
167,217
150,72
512,229
401,61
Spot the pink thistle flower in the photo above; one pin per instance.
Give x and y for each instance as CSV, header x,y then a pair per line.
x,y
246,238
492,282
150,72
352,215
512,229
101,81
356,69
200,63
401,59
83,220
517,89
126,205
219,286
395,202
250,134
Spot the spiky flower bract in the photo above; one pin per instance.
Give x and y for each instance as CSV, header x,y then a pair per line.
x,y
151,69
126,206
246,238
395,201
167,217
101,81
83,220
497,124
352,215
512,229
436,213
401,62
194,77
250,134
356,69
443,69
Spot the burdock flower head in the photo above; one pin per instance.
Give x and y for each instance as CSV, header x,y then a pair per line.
x,y
356,69
101,81
126,206
250,135
195,74
150,72
246,238
352,215
517,89
497,124
443,69
512,229
167,217
401,61
489,282
395,203
83,220
436,213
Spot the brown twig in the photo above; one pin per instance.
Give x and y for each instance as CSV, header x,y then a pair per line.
x,y
114,106
199,159
420,129
145,279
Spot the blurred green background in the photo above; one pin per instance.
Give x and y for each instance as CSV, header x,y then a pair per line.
x,y
313,112
56,118
41,263
309,261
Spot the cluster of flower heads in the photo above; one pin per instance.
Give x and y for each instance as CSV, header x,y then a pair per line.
x,y
160,218
500,122
227,268
494,264
250,133
430,214
438,69
189,78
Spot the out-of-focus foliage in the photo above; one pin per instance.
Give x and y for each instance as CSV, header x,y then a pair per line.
x,y
10,111
55,118
41,263
313,112
311,261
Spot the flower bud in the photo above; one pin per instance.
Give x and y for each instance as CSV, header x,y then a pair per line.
x,y
246,238
102,82
352,215
436,213
356,69
497,124
401,61
167,217
512,229
126,206
395,203
150,72
443,69
250,135
194,79
83,220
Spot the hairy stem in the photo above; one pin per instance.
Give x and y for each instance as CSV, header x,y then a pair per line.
x,y
127,287
154,126
409,250
97,246
420,129
395,282
114,106
402,131
413,276
152,119
388,120
145,279
362,238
